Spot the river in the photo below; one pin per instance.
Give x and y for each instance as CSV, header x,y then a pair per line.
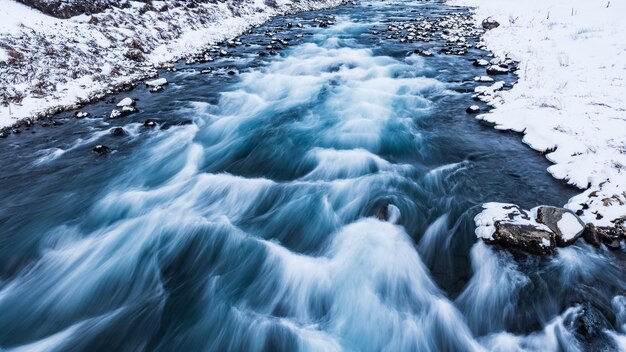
x,y
245,221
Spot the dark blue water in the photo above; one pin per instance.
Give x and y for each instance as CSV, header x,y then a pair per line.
x,y
245,222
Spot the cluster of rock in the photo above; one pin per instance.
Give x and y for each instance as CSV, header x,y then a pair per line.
x,y
456,29
542,229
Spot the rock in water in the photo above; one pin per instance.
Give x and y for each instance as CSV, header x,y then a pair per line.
x,y
126,102
481,62
157,82
512,227
524,237
101,149
489,23
564,223
150,123
474,109
115,114
538,230
611,236
118,132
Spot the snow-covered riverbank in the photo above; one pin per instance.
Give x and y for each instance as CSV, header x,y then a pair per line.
x,y
46,62
569,101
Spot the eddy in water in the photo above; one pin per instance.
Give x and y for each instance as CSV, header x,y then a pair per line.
x,y
322,200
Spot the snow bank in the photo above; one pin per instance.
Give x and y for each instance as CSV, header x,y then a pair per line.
x,y
47,62
569,101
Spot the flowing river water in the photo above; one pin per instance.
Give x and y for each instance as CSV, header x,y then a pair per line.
x,y
245,222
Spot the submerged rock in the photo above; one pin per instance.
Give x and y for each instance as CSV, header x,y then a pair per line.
x,y
118,132
387,212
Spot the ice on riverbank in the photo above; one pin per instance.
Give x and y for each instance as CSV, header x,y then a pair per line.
x,y
569,101
47,62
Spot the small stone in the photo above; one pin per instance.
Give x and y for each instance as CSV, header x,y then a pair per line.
x,y
157,82
481,62
474,109
101,149
115,114
489,23
150,123
81,114
497,70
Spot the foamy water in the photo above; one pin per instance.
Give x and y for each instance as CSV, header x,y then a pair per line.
x,y
253,227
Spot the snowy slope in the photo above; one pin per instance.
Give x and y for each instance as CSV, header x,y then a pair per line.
x,y
570,101
46,62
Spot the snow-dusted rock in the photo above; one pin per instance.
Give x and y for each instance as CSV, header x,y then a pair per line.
x,y
159,82
483,79
489,23
481,62
474,109
611,236
101,149
129,109
497,69
564,223
512,227
81,114
126,102
115,114
537,231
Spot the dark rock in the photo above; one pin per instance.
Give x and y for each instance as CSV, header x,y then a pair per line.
x,y
118,132
611,236
497,70
524,237
474,109
563,222
135,55
150,123
101,149
489,23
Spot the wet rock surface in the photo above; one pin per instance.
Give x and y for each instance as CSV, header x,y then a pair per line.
x,y
538,231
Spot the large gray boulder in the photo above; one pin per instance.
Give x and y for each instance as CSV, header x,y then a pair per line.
x,y
565,224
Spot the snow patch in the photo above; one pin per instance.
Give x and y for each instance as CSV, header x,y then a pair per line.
x,y
569,101
569,226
